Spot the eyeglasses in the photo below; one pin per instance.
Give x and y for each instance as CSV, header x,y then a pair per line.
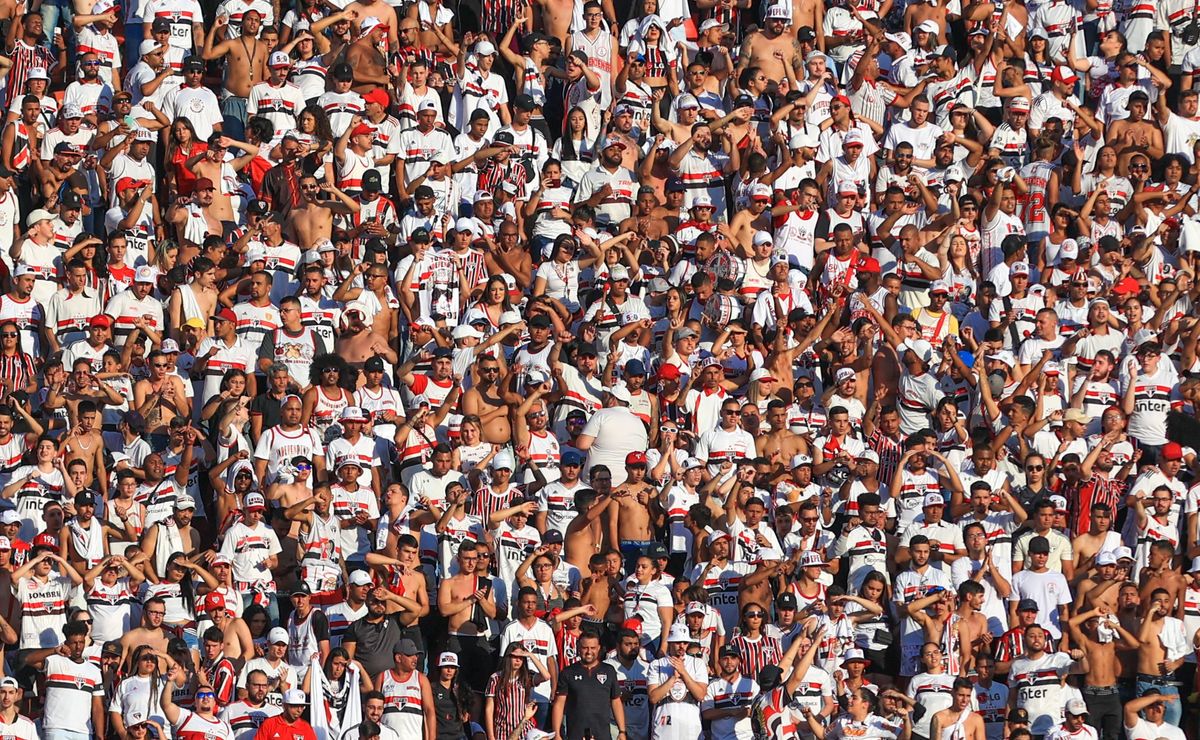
x,y
303,466
731,412
483,555
84,621
810,519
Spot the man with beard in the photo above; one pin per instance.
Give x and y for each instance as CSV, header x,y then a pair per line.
x,y
246,715
281,184
1036,681
363,55
73,707
466,600
63,164
631,671
589,694
195,217
311,222
136,304
609,186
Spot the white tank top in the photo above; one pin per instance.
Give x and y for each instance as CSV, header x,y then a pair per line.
x,y
321,553
402,704
326,410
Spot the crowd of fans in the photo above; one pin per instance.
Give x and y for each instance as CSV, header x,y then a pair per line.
x,y
733,369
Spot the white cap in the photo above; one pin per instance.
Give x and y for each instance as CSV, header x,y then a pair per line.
x,y
1108,557
811,559
618,272
621,393
510,317
445,660
1004,356
762,237
279,59
536,376
37,73
1076,707
425,105
255,253
761,190
869,455
779,11
680,633
928,26
1123,553
466,331
169,346
843,374
761,373
148,46
1069,249
1019,103
692,463
701,200
23,269
853,136
686,101
465,224
145,134
801,459
901,39
484,49
145,274
933,499
254,500
710,24
70,110
504,459
852,655
695,607
38,215
1060,504
277,635
368,24
352,413
939,286
919,347
360,578
185,502
1019,268
295,697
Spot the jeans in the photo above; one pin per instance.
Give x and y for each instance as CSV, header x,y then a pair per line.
x,y
1174,709
233,113
54,13
1104,711
631,550
135,32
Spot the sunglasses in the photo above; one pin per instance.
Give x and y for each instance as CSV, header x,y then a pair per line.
x,y
10,334
752,615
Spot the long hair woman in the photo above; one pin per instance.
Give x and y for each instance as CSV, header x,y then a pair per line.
x,y
758,648
508,691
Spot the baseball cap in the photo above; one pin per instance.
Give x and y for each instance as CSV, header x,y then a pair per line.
x,y
1039,544
1171,451
277,635
1076,707
294,697
214,600
360,578
406,647
811,559
447,659
694,607
185,502
933,499
255,500
1027,605
279,59
1019,104
635,458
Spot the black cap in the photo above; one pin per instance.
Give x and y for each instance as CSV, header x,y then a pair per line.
x,y
1109,243
159,25
258,207
504,137
375,364
342,72
552,537
111,648
786,600
1027,605
657,550
1039,544
769,677
674,185
406,647
524,102
730,651
806,34
1018,716
301,589
375,244
581,56
423,191
420,236
534,38
193,63
743,101
70,201
442,352
372,182
541,320
587,348
83,498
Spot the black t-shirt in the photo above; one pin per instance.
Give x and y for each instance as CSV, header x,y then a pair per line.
x,y
373,643
589,698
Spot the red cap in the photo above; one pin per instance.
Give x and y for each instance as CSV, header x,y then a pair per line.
x,y
127,183
214,600
204,184
669,372
362,129
1127,286
843,100
378,96
635,458
1171,451
45,539
101,319
633,623
226,314
869,264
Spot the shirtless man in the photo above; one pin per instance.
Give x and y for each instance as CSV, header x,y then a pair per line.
x,y
358,343
584,533
237,644
211,164
780,439
364,57
1159,630
1100,536
161,396
1160,575
643,221
382,12
1103,665
245,61
151,632
312,221
629,521
556,17
959,715
1099,590
201,304
486,400
298,499
86,444
760,47
460,597
375,277
199,206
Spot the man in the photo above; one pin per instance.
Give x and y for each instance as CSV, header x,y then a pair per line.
x,y
73,705
727,703
467,600
919,581
1164,647
289,724
631,669
588,694
1035,679
12,723
677,684
1096,632
246,715
1153,704
1047,588
201,720
536,636
409,706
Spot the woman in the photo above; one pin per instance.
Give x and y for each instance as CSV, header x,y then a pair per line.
x,y
954,260
950,428
493,302
931,688
576,148
313,123
472,452
859,720
17,365
451,699
558,277
1061,229
330,390
869,633
179,590
650,602
1038,64
87,248
233,387
33,486
145,677
511,686
550,595
259,622
758,648
675,303
1119,188
344,681
550,209
182,146
662,56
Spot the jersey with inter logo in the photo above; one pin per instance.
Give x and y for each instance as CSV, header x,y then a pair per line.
x,y
181,14
722,583
1039,687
